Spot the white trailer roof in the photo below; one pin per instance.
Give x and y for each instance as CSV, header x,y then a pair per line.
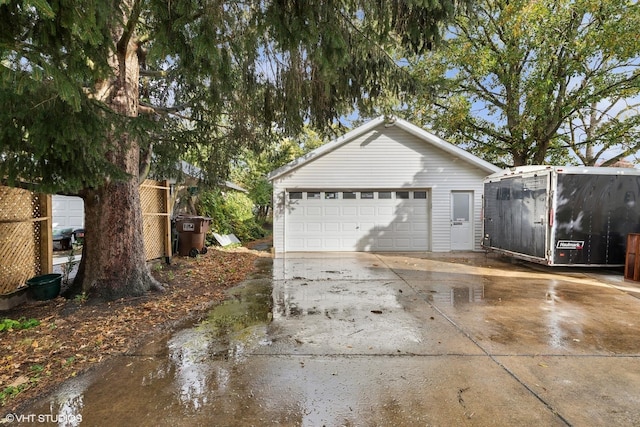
x,y
586,170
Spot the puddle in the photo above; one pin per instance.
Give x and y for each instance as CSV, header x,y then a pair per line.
x,y
453,294
230,327
181,374
365,348
231,330
250,304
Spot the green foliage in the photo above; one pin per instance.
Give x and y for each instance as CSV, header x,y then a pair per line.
x,y
88,86
230,212
37,368
250,167
9,392
68,148
521,82
68,266
81,298
22,323
52,133
221,76
260,193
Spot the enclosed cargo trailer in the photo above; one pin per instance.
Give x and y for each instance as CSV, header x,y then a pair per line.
x,y
562,216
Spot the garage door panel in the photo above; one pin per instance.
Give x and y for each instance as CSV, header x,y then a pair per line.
x,y
332,211
403,226
350,226
405,211
296,244
329,222
367,210
367,227
332,244
416,241
385,211
383,228
313,244
402,243
384,243
313,211
349,210
296,227
420,227
312,227
331,227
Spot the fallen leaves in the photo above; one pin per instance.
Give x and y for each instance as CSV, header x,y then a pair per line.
x,y
72,336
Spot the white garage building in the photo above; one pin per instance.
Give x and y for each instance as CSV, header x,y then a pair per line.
x,y
67,211
385,186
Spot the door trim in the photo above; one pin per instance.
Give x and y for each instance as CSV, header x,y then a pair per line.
x,y
462,229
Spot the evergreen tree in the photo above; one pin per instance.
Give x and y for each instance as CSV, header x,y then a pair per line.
x,y
94,91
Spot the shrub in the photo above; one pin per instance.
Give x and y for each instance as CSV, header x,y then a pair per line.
x,y
230,212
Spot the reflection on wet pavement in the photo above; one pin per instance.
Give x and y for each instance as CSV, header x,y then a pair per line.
x,y
230,328
383,339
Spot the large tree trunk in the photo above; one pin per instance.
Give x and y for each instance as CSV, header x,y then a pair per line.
x,y
114,262
114,258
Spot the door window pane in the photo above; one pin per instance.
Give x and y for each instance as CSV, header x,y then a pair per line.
x,y
402,194
295,195
348,195
461,206
313,195
384,195
330,195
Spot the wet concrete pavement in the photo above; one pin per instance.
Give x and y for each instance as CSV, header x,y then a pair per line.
x,y
385,340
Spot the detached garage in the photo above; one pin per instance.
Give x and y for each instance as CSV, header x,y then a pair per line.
x,y
386,186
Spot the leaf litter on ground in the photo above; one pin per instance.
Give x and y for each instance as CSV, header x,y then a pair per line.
x,y
75,334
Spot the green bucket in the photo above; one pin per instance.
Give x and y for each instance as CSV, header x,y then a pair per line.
x,y
45,287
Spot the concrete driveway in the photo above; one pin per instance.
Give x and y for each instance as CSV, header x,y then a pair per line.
x,y
392,340
455,339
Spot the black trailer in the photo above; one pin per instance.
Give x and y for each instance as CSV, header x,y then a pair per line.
x,y
562,216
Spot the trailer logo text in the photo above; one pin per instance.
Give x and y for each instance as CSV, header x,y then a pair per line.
x,y
570,244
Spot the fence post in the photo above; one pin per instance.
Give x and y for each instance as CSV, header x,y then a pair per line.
x,y
46,233
167,209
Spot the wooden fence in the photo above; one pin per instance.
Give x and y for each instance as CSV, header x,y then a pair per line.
x,y
26,245
155,199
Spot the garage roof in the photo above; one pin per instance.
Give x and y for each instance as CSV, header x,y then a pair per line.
x,y
394,121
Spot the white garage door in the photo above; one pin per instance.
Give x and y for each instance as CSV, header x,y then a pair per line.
x,y
373,220
68,212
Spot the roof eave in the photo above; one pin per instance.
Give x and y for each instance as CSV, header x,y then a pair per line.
x,y
326,148
403,124
446,146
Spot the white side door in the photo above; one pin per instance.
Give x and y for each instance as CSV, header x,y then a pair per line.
x,y
461,220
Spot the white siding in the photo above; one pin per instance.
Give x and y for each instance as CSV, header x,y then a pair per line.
x,y
388,158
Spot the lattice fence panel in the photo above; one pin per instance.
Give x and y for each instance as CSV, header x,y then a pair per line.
x,y
20,237
153,236
154,201
152,197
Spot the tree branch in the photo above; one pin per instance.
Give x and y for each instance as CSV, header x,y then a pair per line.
x,y
130,26
154,73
